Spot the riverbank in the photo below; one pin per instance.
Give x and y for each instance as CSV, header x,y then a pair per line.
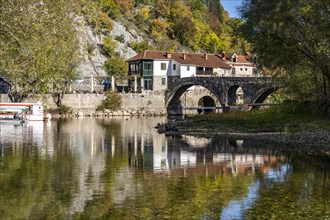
x,y
291,127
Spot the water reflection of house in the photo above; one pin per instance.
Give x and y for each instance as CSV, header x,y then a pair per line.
x,y
31,133
196,142
177,158
87,142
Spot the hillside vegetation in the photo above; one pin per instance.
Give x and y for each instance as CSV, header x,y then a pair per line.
x,y
193,25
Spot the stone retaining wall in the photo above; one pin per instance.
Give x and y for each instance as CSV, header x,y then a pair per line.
x,y
146,103
86,104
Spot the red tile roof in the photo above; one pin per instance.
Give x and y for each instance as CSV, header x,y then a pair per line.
x,y
240,58
213,60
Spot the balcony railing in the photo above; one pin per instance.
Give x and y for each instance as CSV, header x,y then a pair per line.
x,y
204,73
147,72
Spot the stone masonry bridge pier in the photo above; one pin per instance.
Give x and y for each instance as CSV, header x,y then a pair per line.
x,y
256,90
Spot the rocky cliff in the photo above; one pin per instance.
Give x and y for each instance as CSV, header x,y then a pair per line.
x,y
92,59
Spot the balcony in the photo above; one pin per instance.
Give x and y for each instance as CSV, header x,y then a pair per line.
x,y
204,71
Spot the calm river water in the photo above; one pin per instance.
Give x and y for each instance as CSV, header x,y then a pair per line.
x,y
120,168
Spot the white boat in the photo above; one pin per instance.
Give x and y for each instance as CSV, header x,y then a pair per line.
x,y
11,121
22,112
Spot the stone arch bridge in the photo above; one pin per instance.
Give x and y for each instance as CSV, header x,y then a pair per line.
x,y
256,90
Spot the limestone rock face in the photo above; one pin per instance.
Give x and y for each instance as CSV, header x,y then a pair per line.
x,y
127,36
91,58
90,42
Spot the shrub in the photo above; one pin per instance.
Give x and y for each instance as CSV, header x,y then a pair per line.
x,y
120,38
109,46
112,101
106,23
63,109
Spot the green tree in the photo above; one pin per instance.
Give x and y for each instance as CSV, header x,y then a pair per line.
x,y
109,46
98,15
141,46
38,47
238,44
117,67
184,27
215,8
289,35
198,9
142,17
211,42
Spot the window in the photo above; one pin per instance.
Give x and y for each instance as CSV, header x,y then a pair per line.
x,y
163,81
147,66
188,68
245,69
132,65
174,66
241,69
147,84
163,66
234,59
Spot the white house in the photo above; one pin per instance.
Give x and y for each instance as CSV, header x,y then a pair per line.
x,y
155,70
241,65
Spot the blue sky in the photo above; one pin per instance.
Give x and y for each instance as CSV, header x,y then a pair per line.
x,y
229,5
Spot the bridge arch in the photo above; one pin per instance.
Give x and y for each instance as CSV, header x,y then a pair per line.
x,y
235,94
206,101
262,95
174,104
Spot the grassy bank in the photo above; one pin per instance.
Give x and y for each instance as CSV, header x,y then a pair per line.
x,y
282,118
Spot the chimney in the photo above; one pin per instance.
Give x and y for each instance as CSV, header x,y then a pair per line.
x,y
223,54
205,56
168,55
184,56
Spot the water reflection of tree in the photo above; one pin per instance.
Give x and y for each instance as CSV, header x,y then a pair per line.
x,y
112,126
180,198
115,162
34,186
303,194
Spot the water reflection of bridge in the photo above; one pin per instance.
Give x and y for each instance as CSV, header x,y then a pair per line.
x,y
154,152
221,163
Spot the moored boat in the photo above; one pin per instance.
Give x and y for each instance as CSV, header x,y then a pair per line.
x,y
11,121
22,112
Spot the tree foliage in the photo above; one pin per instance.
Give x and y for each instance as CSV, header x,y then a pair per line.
x,y
292,36
98,16
113,101
195,24
141,46
142,16
38,46
109,46
117,67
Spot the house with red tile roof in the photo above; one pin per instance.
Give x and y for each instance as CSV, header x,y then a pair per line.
x,y
241,65
155,70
